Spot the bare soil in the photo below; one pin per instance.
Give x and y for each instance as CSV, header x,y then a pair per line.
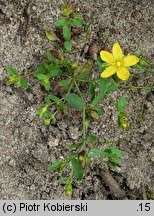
x,y
26,148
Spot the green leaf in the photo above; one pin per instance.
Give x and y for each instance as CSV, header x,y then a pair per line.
x,y
86,124
102,91
99,110
139,67
48,66
53,70
83,70
64,83
114,161
117,152
103,85
51,36
65,62
54,166
54,98
100,64
97,99
61,22
41,76
94,114
122,103
67,33
51,58
12,79
91,138
91,91
47,101
24,83
12,71
77,169
65,10
68,189
61,104
113,153
46,122
68,46
42,112
75,15
63,180
107,152
86,70
72,155
95,152
40,70
46,84
44,80
122,122
144,62
77,22
53,118
55,73
139,54
112,85
63,165
18,83
76,145
75,101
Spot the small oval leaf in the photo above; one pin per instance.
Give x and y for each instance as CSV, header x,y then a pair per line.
x,y
54,166
77,169
68,46
51,36
122,104
61,22
75,101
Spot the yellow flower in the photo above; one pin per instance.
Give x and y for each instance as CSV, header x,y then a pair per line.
x,y
117,62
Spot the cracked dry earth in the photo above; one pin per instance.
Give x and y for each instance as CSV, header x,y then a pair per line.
x,y
26,148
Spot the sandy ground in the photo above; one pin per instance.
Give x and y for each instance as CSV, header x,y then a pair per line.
x,y
26,148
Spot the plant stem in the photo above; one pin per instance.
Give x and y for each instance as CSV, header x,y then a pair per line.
x,y
140,115
83,118
83,122
28,74
63,98
82,147
88,81
78,90
70,87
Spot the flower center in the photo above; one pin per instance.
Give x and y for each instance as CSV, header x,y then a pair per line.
x,y
118,64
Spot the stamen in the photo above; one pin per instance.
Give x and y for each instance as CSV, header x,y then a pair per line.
x,y
118,64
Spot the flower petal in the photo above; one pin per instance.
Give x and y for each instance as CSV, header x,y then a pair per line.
x,y
107,57
123,73
117,51
109,71
130,60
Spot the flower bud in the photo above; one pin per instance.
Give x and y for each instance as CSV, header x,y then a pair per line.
x,y
68,190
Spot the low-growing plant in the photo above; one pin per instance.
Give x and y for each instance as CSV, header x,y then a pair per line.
x,y
70,76
71,19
